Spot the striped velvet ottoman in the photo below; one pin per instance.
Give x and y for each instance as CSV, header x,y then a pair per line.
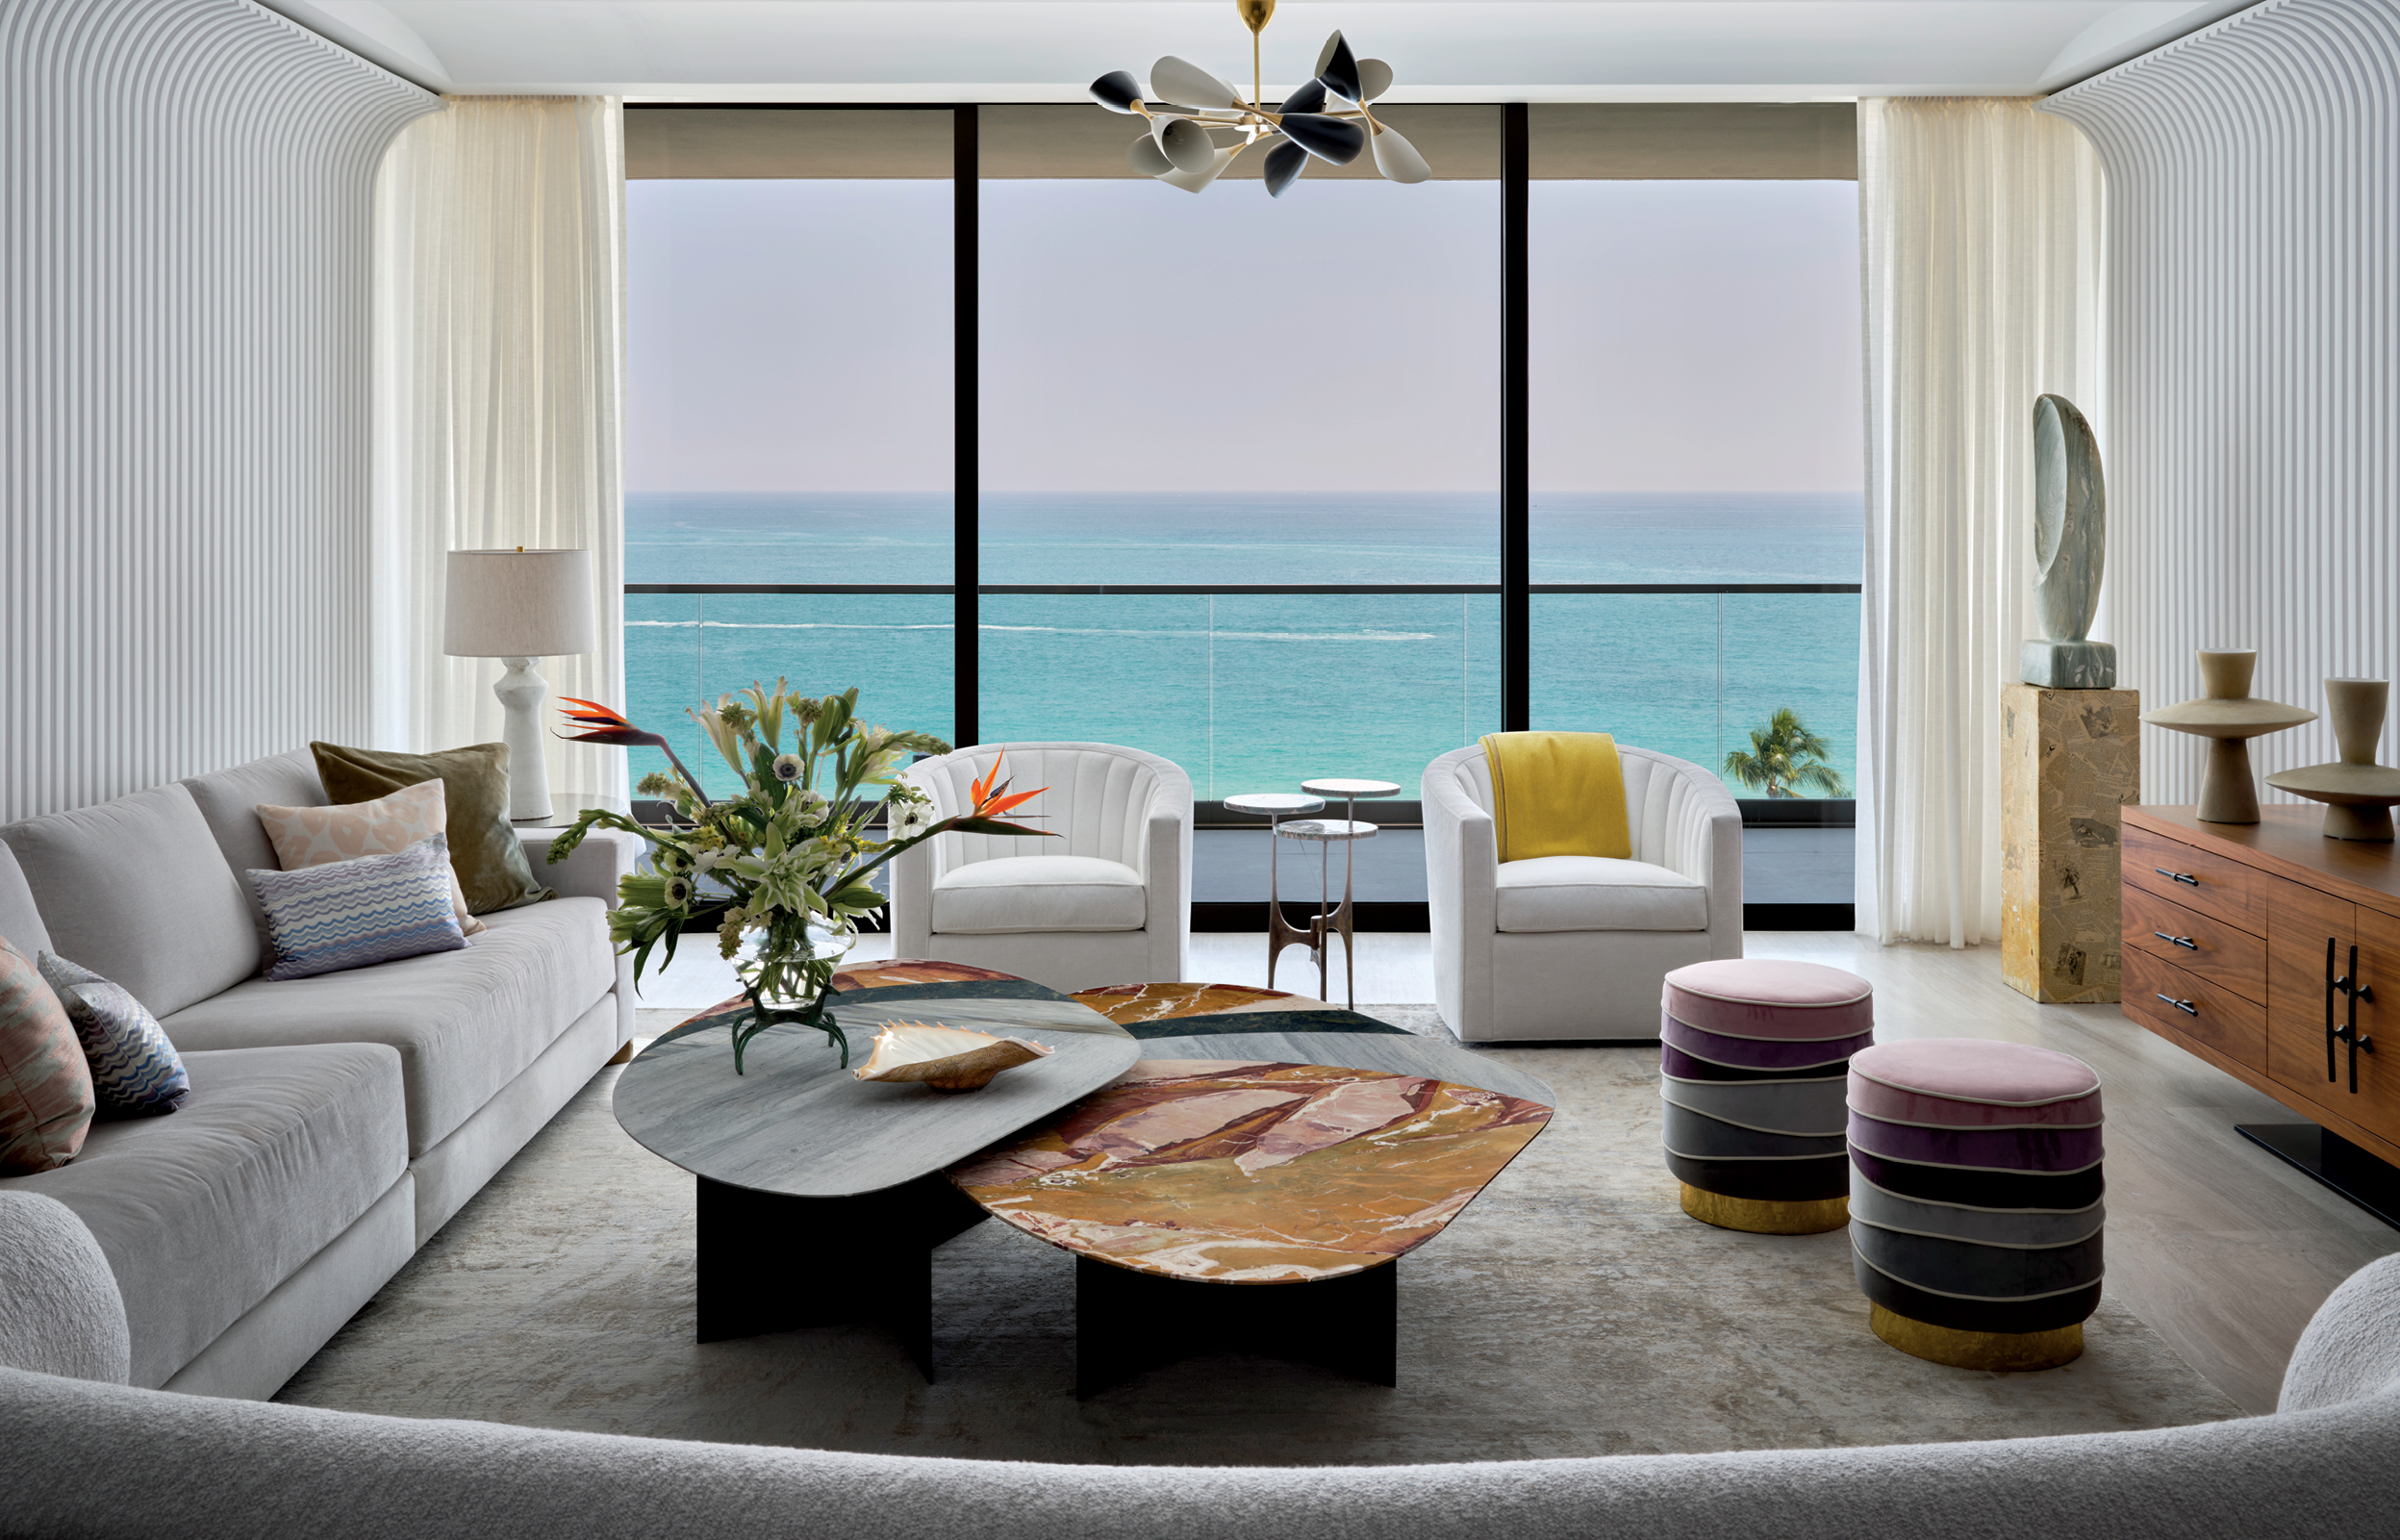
x,y
1975,1199
1752,1058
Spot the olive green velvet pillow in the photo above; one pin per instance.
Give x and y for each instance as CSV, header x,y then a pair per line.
x,y
484,851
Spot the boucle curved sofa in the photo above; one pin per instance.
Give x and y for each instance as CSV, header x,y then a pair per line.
x,y
84,1458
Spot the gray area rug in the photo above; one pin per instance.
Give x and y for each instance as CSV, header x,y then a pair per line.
x,y
1573,1310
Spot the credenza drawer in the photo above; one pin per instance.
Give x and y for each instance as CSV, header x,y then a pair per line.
x,y
2196,879
2160,993
2199,943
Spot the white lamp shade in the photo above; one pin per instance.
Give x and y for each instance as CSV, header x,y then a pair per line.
x,y
518,604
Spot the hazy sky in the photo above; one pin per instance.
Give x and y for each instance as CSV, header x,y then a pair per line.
x,y
1687,335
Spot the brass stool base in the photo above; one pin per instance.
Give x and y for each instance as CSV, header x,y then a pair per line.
x,y
1761,1216
2012,1351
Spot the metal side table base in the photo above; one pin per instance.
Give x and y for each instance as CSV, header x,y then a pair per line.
x,y
1328,920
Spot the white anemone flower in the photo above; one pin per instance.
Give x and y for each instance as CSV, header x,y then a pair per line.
x,y
911,820
788,767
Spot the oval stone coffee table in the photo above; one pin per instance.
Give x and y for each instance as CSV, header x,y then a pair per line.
x,y
821,1196
1314,1161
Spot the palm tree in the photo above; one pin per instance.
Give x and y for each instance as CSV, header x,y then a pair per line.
x,y
1785,759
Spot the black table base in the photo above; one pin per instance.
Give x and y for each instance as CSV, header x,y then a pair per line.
x,y
2373,1184
1127,1322
769,1262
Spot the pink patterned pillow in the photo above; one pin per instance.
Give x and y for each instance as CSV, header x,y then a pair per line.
x,y
313,836
45,1082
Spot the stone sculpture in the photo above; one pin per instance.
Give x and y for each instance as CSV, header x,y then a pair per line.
x,y
2227,716
2070,527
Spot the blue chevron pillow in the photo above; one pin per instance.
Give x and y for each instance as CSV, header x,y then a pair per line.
x,y
136,1072
350,914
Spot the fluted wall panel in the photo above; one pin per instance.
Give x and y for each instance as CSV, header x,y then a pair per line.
x,y
2252,414
185,195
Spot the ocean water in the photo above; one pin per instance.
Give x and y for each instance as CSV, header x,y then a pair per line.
x,y
1257,691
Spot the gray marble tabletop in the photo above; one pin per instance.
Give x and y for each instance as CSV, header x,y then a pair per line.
x,y
1358,1050
799,1124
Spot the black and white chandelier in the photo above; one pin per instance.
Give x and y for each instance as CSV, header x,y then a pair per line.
x,y
1200,123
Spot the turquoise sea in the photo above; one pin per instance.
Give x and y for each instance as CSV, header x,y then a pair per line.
x,y
1251,692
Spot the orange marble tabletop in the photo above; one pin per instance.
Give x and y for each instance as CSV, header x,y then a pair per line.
x,y
1237,1171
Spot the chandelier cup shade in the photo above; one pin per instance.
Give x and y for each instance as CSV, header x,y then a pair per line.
x,y
1146,157
1309,98
1339,70
1186,85
1185,145
1395,158
1118,91
1198,181
1189,110
1333,140
1284,164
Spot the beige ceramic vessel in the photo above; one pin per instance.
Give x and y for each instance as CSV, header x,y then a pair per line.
x,y
2229,717
2358,792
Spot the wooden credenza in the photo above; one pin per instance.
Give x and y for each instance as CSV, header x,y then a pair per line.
x,y
2274,954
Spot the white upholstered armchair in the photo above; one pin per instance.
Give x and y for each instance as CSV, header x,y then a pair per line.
x,y
1109,902
1577,945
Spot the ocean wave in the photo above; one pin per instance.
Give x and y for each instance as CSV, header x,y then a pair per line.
x,y
1054,630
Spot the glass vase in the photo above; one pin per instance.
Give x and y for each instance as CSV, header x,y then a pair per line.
x,y
788,981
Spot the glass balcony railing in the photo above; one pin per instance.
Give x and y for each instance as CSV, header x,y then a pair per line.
x,y
1253,688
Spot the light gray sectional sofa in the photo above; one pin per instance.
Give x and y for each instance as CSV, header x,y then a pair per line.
x,y
334,1123
83,1459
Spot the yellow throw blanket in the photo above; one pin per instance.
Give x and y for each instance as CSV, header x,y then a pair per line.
x,y
1556,793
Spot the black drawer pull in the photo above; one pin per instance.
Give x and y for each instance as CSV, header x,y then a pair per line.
x,y
2184,1006
2184,941
2184,877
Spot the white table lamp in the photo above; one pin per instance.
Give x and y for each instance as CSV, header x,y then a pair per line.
x,y
518,606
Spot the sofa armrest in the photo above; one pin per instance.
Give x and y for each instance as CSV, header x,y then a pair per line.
x,y
1167,873
1703,842
592,869
1461,890
60,1309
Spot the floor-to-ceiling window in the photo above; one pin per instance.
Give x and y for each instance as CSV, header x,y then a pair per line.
x,y
789,386
1227,480
1258,401
1696,431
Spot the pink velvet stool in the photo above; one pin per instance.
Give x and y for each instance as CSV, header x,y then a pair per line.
x,y
1751,1063
1975,1199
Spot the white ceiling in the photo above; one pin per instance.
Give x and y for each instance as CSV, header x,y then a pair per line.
x,y
1441,50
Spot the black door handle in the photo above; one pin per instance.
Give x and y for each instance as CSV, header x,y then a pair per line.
x,y
2184,877
2184,1006
2348,1032
2184,941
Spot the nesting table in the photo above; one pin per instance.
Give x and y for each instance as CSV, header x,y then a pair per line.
x,y
821,1196
1345,831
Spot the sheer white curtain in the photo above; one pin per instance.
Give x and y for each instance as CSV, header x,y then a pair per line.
x,y
1980,222
499,389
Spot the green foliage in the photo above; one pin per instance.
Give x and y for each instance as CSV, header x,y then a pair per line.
x,y
793,850
1785,759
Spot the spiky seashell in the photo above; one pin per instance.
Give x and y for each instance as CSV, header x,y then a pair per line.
x,y
947,1058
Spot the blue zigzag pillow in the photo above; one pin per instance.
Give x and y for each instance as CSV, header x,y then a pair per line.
x,y
350,914
136,1072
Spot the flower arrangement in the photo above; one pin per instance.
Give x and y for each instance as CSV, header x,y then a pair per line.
x,y
790,853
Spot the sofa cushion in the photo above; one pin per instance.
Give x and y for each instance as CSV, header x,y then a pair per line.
x,y
275,1154
1596,893
317,835
466,1022
354,914
136,890
45,1082
484,847
136,1072
229,799
1028,893
20,921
